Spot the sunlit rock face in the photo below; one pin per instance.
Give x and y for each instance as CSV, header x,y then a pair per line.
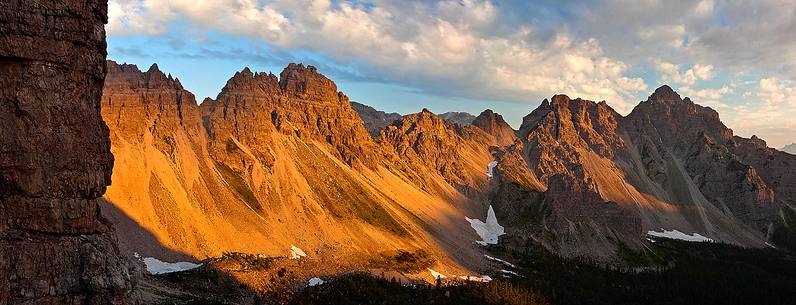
x,y
277,162
54,157
493,124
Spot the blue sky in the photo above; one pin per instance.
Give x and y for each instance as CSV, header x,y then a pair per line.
x,y
738,57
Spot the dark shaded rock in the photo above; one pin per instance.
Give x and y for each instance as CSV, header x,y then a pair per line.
x,y
461,118
375,120
54,157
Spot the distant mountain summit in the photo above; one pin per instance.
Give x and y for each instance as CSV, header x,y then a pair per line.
x,y
461,118
493,124
790,148
375,120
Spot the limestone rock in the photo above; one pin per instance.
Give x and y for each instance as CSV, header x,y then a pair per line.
x,y
54,157
493,124
459,154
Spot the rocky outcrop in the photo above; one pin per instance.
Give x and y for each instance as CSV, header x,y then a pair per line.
x,y
493,124
301,102
460,118
375,120
671,129
568,146
54,158
459,154
775,168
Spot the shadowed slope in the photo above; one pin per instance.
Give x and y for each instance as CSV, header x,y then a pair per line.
x,y
669,164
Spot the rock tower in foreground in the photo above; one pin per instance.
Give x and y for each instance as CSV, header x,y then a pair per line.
x,y
54,157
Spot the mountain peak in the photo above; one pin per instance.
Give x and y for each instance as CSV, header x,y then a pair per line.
x,y
790,148
559,99
493,124
375,120
246,71
665,94
253,83
306,82
153,68
126,74
461,118
487,112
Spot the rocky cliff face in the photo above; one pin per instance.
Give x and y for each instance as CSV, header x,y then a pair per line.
x,y
493,124
270,163
302,102
375,120
676,130
459,154
569,146
54,158
669,164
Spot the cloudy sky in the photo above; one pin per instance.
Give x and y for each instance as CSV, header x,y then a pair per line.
x,y
738,57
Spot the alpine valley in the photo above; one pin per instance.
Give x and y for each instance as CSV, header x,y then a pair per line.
x,y
281,167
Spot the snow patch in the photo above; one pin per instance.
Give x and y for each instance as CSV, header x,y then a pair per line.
x,y
674,234
509,272
435,274
156,266
489,230
472,278
296,253
315,282
490,168
500,260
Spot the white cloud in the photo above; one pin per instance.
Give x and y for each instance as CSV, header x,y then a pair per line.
x,y
516,52
673,34
449,46
671,72
773,91
711,96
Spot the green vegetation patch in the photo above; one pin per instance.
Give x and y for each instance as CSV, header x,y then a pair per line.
x,y
236,261
408,262
361,288
785,233
682,273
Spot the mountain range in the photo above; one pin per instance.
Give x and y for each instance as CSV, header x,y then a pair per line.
x,y
280,161
107,171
